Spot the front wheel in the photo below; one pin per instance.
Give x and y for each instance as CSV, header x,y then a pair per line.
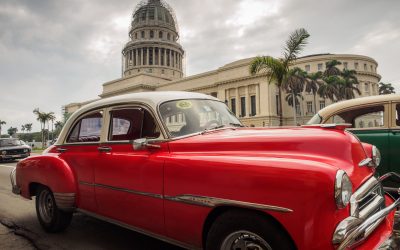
x,y
238,230
51,218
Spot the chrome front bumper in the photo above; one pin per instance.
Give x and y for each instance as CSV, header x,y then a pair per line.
x,y
352,230
15,188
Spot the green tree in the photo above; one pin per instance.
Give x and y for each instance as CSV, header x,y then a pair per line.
x,y
314,82
1,124
42,118
331,68
278,69
386,88
294,86
348,85
12,131
329,90
28,127
23,128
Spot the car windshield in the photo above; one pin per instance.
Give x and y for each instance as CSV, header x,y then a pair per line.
x,y
316,119
185,117
10,142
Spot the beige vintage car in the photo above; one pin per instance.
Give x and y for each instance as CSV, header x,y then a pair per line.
x,y
375,120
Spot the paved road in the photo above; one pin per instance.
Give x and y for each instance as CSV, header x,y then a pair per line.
x,y
24,232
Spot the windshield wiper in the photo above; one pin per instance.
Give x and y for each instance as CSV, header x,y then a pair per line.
x,y
236,125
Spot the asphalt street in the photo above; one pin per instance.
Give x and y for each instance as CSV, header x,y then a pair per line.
x,y
20,229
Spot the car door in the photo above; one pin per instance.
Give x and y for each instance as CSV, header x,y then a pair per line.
x,y
80,152
371,125
129,182
394,138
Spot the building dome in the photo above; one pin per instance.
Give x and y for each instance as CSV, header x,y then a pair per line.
x,y
153,47
154,12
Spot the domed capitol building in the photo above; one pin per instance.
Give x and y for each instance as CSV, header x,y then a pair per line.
x,y
153,61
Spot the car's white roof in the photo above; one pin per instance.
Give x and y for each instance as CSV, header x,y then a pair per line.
x,y
151,99
356,102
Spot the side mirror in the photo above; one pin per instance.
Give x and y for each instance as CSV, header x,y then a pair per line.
x,y
143,143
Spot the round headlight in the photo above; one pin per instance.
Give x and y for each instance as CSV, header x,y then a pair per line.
x,y
343,189
376,156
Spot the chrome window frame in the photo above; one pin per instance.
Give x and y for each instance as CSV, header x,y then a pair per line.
x,y
78,119
132,105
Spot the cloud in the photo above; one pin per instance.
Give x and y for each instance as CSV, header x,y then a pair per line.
x,y
56,52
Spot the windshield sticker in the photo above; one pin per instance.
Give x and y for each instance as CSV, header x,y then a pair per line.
x,y
184,104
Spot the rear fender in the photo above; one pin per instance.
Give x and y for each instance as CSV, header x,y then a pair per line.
x,y
50,171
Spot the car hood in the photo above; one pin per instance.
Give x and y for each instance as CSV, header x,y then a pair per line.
x,y
335,147
15,147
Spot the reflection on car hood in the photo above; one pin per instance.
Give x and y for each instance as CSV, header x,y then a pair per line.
x,y
15,147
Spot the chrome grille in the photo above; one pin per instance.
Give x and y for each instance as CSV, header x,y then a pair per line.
x,y
368,199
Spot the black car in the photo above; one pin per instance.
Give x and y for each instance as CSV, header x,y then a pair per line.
x,y
11,149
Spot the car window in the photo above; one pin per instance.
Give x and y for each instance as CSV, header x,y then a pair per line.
x,y
88,129
131,124
185,117
366,117
398,115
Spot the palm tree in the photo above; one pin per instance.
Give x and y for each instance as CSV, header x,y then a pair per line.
x,y
12,131
42,118
277,69
331,69
294,84
28,127
51,117
2,123
23,128
347,88
386,88
330,88
348,85
313,84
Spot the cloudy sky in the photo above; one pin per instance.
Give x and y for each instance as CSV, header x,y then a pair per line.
x,y
54,52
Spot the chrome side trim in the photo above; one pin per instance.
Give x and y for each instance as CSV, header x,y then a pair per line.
x,y
86,183
65,201
204,201
214,202
157,196
139,230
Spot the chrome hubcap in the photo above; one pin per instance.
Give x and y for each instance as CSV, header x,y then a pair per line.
x,y
244,240
46,206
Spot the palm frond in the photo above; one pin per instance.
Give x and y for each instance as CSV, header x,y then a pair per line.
x,y
295,44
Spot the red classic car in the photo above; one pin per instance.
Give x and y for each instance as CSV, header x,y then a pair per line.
x,y
180,167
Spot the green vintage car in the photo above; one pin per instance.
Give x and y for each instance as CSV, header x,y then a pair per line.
x,y
375,120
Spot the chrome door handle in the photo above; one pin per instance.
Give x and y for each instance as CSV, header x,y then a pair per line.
x,y
104,149
61,150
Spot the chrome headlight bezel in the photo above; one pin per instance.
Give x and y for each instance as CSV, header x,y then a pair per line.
x,y
343,189
376,156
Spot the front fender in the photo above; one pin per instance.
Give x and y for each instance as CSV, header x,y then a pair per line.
x,y
48,170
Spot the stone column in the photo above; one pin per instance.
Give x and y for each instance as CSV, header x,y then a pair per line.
x,y
165,57
248,101
148,56
141,56
257,99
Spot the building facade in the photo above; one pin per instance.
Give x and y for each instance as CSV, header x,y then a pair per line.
x,y
153,61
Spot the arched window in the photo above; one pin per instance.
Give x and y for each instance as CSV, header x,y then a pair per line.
x,y
143,34
160,35
169,36
136,35
151,34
